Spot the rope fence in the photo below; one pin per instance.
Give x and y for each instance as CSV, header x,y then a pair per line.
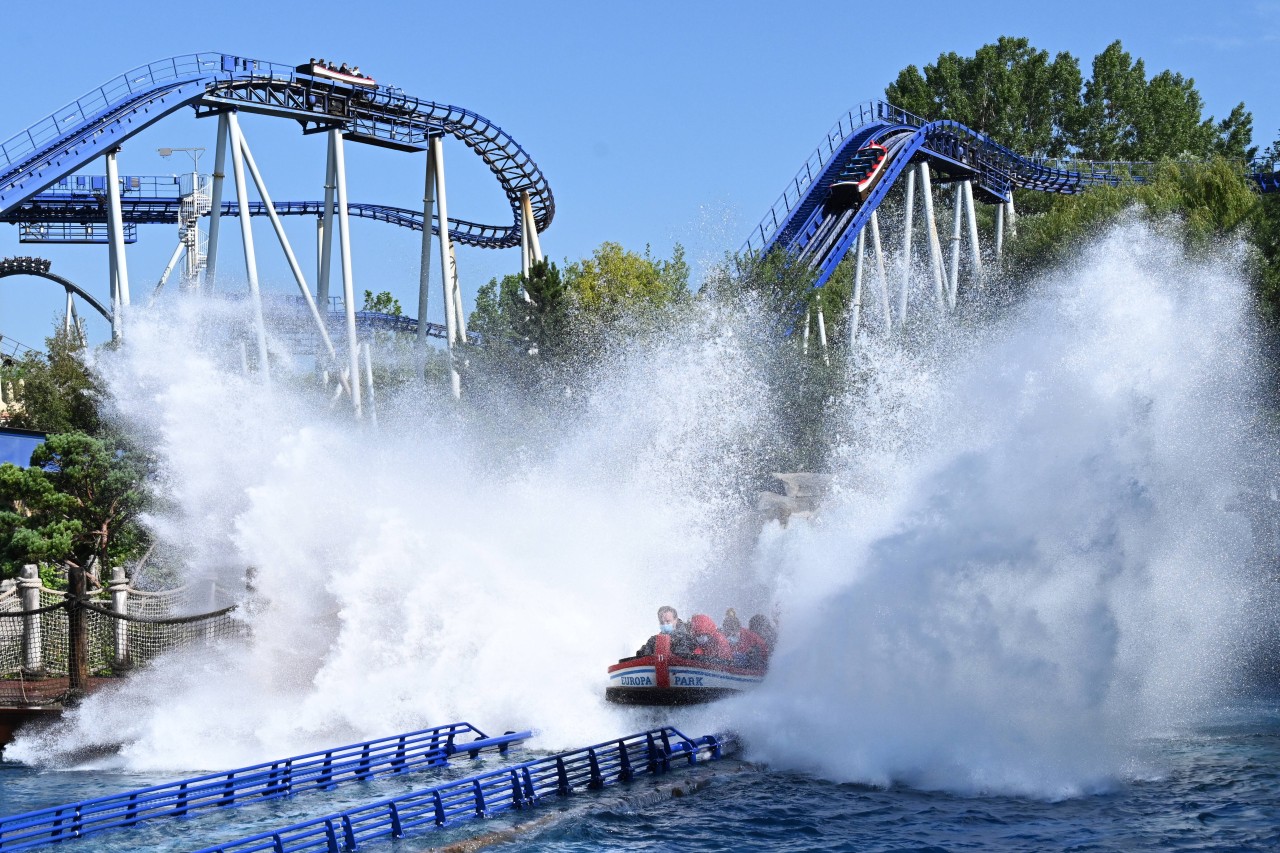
x,y
126,628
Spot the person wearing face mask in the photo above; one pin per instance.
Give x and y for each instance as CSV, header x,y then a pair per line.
x,y
708,642
749,648
669,623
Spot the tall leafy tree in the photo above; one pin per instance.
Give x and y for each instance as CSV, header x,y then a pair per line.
x,y
1009,90
57,392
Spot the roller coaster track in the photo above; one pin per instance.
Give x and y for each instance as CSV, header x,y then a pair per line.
x,y
159,203
100,121
811,223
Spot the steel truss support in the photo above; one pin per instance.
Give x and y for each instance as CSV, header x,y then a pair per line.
x,y
348,284
215,199
909,209
246,235
448,274
935,245
119,268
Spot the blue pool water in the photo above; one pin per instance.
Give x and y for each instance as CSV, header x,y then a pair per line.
x,y
1215,788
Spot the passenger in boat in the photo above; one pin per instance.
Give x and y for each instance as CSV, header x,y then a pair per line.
x,y
669,622
708,642
764,629
749,649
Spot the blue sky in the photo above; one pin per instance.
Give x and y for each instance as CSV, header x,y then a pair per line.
x,y
655,122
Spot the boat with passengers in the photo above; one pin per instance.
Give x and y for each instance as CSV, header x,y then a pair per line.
x,y
666,679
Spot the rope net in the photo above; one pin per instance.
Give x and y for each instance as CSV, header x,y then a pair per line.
x,y
155,623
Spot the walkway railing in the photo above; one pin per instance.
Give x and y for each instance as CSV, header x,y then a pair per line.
x,y
515,787
314,771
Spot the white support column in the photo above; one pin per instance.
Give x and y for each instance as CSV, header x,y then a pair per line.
x,y
883,278
975,251
457,297
215,200
855,304
525,250
535,245
906,246
446,276
168,270
246,236
119,266
284,244
804,341
822,336
326,226
447,279
999,233
368,381
424,268
1013,218
956,223
348,285
931,227
66,321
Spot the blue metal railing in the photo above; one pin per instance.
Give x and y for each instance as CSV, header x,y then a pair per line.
x,y
514,787
313,771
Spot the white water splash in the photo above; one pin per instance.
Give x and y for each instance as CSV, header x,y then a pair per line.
x,y
1028,568
1035,567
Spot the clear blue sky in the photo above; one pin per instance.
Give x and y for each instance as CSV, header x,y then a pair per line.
x,y
655,122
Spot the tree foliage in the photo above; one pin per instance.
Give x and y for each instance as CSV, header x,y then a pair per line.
x,y
1044,107
56,391
382,303
77,506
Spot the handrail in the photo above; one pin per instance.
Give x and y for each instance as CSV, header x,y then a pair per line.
x,y
513,787
285,776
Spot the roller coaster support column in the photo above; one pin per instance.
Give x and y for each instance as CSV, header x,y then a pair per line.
x,y
531,251
119,267
215,197
935,245
975,254
999,232
906,246
1013,217
956,222
855,304
457,295
168,270
284,245
246,235
822,333
884,279
326,230
424,268
448,282
348,286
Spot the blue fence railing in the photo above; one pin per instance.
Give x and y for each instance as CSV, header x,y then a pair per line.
x,y
314,771
514,787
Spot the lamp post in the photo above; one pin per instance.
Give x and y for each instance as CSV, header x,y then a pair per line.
x,y
189,215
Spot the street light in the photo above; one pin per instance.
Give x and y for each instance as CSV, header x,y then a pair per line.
x,y
188,219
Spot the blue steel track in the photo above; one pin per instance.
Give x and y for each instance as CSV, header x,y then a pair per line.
x,y
103,119
811,222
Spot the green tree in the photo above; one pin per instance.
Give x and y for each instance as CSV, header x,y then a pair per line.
x,y
381,303
615,283
76,507
1008,90
527,315
56,392
1114,107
